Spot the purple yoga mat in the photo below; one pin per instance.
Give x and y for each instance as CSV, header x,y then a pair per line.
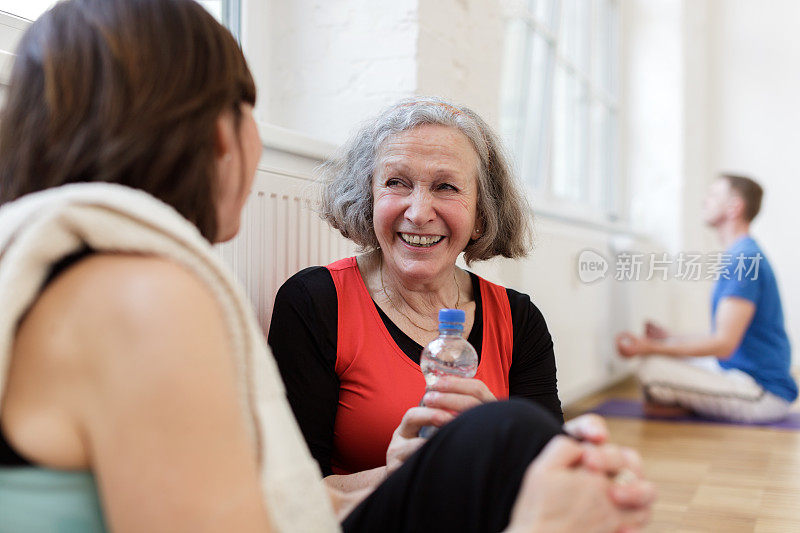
x,y
633,409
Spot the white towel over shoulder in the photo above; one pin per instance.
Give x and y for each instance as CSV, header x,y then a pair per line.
x,y
40,229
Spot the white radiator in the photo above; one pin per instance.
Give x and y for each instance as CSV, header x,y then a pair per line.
x,y
280,234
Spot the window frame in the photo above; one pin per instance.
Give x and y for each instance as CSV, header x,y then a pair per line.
x,y
232,17
600,206
12,28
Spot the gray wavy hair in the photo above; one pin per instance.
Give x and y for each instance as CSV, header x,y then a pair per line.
x,y
346,193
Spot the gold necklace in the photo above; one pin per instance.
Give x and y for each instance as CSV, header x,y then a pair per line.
x,y
383,287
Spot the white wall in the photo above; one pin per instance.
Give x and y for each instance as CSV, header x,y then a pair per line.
x,y
333,63
697,168
459,53
689,301
652,98
753,118
666,95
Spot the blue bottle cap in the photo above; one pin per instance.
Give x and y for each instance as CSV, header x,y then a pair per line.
x,y
452,317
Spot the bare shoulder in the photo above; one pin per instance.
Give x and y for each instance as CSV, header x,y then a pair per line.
x,y
109,329
129,280
116,311
126,295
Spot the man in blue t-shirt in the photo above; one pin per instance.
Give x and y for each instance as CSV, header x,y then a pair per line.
x,y
740,370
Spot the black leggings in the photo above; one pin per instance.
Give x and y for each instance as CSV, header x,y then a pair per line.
x,y
465,479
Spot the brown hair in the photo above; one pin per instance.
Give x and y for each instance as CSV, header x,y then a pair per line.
x,y
122,91
749,191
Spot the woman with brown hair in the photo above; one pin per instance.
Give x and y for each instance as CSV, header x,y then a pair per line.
x,y
136,390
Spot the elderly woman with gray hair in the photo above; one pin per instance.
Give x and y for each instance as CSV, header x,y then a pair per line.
x,y
417,186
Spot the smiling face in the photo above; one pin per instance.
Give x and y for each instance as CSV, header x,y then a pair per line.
x,y
425,195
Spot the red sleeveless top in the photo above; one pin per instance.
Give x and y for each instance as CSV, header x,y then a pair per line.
x,y
378,382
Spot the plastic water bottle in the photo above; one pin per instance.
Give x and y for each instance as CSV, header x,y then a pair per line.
x,y
447,354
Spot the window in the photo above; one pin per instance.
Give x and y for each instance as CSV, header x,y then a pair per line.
x,y
559,101
27,9
11,30
225,11
16,16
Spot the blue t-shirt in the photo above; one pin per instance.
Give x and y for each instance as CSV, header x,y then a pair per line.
x,y
764,353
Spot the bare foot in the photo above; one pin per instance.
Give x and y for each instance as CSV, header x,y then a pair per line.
x,y
655,410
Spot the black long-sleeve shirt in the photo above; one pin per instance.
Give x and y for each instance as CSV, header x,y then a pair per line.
x,y
303,337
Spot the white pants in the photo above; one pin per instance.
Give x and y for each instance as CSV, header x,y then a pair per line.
x,y
702,385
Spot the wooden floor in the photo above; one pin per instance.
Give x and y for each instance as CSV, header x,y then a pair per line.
x,y
712,477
